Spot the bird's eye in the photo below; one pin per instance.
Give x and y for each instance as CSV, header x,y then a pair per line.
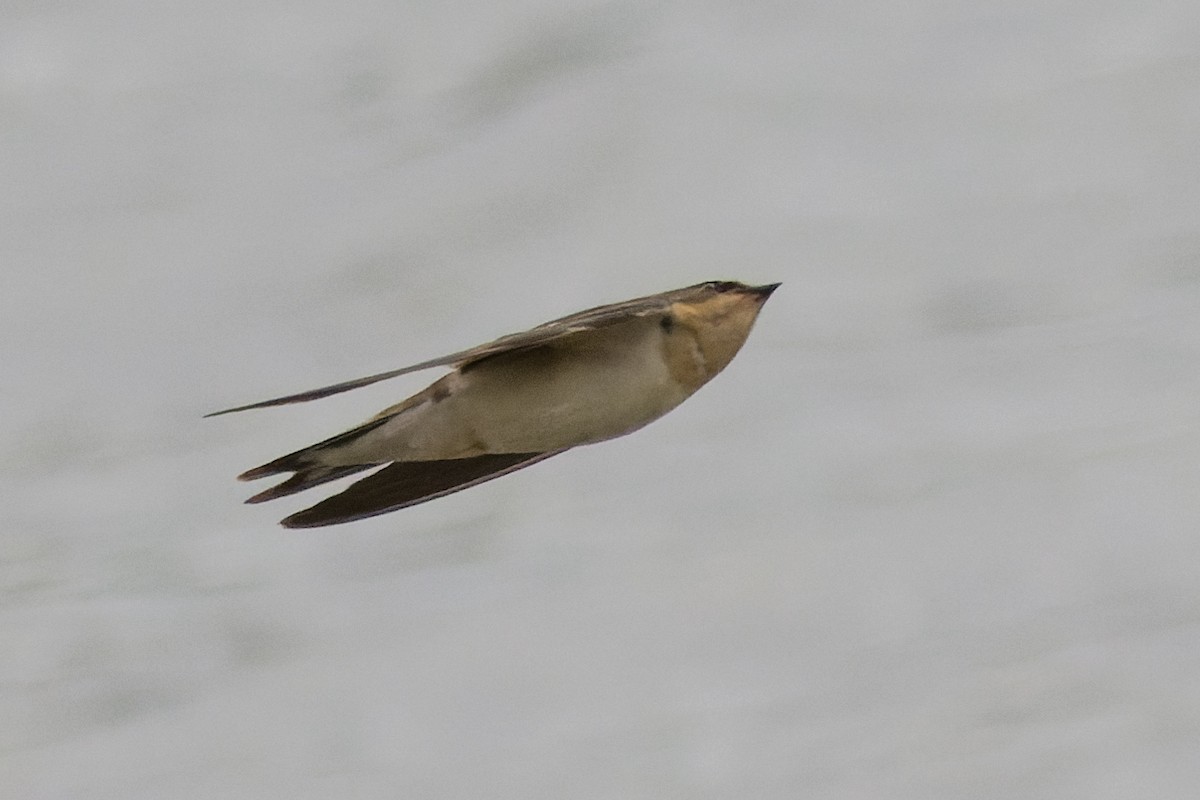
x,y
667,323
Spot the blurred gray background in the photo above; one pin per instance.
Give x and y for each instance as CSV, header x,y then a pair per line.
x,y
934,534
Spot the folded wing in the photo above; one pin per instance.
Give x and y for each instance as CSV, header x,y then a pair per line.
x,y
407,483
590,319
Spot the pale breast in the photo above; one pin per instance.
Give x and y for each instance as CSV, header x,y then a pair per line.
x,y
587,388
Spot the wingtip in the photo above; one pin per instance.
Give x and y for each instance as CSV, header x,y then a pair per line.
x,y
234,410
297,520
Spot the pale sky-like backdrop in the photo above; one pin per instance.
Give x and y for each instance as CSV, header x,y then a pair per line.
x,y
933,535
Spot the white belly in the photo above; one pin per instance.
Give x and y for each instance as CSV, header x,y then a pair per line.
x,y
551,398
540,400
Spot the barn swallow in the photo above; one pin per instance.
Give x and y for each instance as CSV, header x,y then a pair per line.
x,y
518,400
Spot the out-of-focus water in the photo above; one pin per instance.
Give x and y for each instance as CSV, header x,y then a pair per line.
x,y
934,534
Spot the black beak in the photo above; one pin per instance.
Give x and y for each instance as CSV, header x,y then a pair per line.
x,y
764,292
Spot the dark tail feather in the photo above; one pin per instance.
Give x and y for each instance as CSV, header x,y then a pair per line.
x,y
292,462
407,483
307,478
302,460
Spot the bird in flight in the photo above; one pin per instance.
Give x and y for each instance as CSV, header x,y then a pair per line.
x,y
512,402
